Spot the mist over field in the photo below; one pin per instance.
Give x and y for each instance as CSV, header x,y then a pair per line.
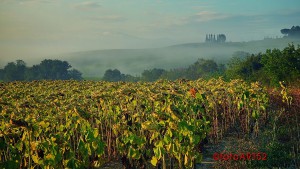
x,y
135,61
94,63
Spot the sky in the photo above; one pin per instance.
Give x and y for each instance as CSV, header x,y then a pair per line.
x,y
32,29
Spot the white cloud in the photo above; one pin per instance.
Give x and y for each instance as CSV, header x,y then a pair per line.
x,y
109,18
166,22
204,16
87,5
171,21
202,7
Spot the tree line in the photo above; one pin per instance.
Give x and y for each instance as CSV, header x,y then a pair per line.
x,y
47,70
202,68
269,68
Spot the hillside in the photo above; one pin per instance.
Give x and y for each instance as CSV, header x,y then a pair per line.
x,y
134,61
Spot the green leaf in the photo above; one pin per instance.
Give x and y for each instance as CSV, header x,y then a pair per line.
x,y
154,136
246,95
133,153
96,133
263,108
186,159
94,145
154,161
167,139
43,124
195,139
100,149
240,105
134,103
159,144
19,145
35,159
255,114
81,146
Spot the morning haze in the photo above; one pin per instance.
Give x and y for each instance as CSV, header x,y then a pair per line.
x,y
135,35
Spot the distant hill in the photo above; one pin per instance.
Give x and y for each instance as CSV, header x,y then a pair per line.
x,y
134,61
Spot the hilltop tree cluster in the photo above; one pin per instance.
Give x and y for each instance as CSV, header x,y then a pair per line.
x,y
294,32
46,70
213,38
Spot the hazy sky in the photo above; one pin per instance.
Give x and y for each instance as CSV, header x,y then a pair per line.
x,y
41,28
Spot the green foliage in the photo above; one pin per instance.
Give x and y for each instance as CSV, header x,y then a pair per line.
x,y
152,75
282,65
202,68
270,67
280,137
248,67
72,124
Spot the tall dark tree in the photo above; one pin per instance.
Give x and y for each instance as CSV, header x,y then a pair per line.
x,y
115,76
285,31
33,73
54,69
74,74
21,69
294,32
112,75
221,38
14,71
1,74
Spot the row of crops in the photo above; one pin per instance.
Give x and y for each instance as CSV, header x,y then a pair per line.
x,y
83,124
